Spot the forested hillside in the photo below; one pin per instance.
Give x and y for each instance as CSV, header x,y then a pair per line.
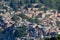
x,y
52,4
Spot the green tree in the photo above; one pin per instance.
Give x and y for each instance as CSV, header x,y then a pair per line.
x,y
15,18
1,20
49,3
29,19
1,5
36,1
20,32
22,2
54,38
58,37
36,21
58,23
58,5
14,4
25,17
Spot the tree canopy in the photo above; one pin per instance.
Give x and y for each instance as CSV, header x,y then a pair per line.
x,y
15,18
